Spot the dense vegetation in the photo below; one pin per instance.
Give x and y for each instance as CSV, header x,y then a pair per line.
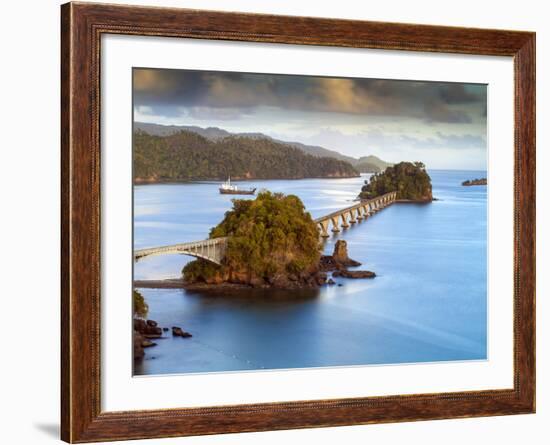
x,y
410,180
187,155
139,305
215,133
272,241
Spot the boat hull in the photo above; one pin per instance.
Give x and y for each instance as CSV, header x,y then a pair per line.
x,y
237,192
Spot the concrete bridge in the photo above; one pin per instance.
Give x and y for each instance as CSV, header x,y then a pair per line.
x,y
214,249
209,249
350,215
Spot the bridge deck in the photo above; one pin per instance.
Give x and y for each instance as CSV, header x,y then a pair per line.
x,y
214,249
361,203
210,249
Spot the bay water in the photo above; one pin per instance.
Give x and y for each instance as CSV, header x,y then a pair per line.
x,y
428,302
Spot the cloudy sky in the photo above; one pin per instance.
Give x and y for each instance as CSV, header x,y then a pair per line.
x,y
442,124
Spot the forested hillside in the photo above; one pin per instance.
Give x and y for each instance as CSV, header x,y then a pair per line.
x,y
187,156
365,164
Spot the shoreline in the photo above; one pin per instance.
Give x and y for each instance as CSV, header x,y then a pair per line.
x,y
414,201
216,180
178,283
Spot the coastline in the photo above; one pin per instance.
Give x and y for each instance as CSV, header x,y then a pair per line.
x,y
178,283
217,180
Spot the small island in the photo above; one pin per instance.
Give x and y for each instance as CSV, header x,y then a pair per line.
x,y
470,182
410,180
272,242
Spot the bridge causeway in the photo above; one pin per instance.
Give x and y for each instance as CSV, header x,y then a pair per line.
x,y
213,249
350,215
209,249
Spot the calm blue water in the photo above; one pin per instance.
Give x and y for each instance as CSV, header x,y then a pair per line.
x,y
427,303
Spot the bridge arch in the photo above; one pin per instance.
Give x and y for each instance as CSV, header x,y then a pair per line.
x,y
212,250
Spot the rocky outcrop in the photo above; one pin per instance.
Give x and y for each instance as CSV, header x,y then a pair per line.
x,y
344,273
311,277
179,332
338,264
143,331
147,328
477,181
340,255
339,258
138,346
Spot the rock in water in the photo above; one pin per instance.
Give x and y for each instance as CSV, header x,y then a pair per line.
x,y
340,254
353,273
179,332
138,347
148,329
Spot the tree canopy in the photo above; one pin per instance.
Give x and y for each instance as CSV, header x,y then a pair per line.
x,y
140,307
410,180
269,236
185,156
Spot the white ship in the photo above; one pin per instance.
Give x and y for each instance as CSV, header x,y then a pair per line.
x,y
227,188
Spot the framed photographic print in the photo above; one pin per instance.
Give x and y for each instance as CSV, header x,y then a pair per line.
x,y
279,222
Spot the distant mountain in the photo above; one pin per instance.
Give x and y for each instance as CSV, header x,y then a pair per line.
x,y
212,133
371,164
187,155
365,164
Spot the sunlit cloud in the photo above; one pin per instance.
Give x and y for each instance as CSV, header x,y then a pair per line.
x,y
390,118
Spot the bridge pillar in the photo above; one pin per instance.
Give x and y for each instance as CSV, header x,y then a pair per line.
x,y
344,216
366,211
324,228
335,226
359,213
352,218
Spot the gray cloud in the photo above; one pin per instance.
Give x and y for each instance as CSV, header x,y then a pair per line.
x,y
380,141
166,91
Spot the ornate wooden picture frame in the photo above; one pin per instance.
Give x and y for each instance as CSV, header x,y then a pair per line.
x,y
82,27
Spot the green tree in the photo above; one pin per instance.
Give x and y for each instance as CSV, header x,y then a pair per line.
x,y
269,236
185,156
410,181
139,305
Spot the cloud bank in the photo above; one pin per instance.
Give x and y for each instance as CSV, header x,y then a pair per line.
x,y
434,114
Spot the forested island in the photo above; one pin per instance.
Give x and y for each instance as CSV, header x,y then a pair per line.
x,y
272,242
186,156
410,180
480,181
